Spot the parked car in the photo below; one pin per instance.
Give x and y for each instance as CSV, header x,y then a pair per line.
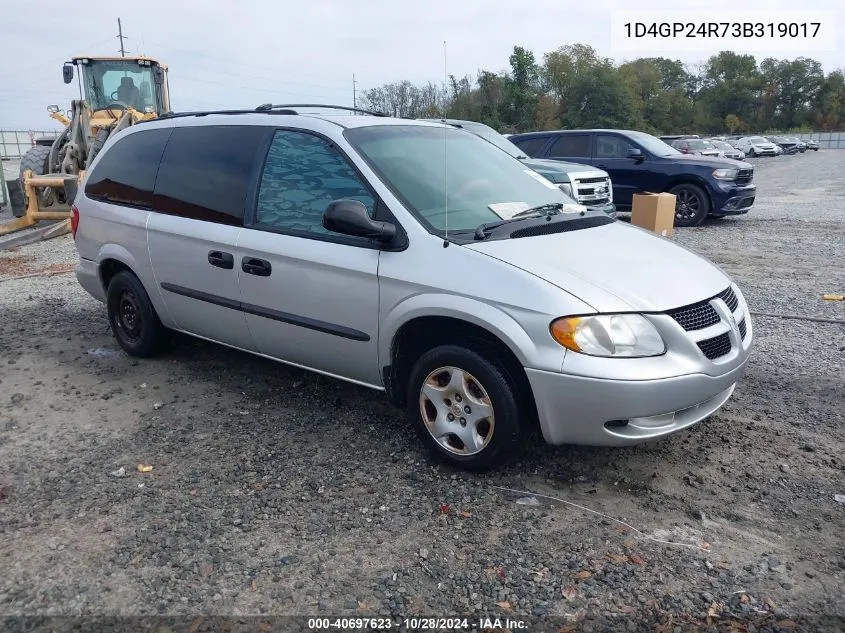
x,y
676,137
696,146
757,146
349,246
587,185
812,144
727,150
639,162
786,144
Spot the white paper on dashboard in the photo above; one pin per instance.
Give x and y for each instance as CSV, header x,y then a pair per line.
x,y
506,210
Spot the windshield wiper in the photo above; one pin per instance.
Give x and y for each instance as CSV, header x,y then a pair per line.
x,y
540,211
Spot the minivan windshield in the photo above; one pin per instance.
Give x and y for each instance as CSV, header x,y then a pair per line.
x,y
700,145
452,179
653,145
759,140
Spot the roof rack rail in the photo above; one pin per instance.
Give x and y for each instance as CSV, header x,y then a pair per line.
x,y
269,107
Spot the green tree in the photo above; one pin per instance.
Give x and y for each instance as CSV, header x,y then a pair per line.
x,y
521,89
830,103
732,123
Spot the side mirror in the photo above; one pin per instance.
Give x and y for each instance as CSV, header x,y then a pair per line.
x,y
350,217
636,154
53,109
67,72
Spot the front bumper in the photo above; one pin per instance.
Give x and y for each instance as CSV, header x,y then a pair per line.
x,y
733,199
596,412
88,276
617,402
606,207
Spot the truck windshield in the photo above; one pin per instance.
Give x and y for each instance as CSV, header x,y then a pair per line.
x,y
119,82
452,179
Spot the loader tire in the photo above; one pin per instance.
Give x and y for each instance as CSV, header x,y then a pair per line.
x,y
36,161
96,146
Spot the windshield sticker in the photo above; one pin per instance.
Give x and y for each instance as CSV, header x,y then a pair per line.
x,y
540,178
506,210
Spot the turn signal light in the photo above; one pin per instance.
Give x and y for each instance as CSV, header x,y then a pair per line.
x,y
74,220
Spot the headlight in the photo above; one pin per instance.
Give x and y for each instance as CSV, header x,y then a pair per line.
x,y
613,335
725,174
566,188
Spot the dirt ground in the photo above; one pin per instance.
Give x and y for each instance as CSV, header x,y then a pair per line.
x,y
277,492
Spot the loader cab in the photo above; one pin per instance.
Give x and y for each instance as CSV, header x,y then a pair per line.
x,y
114,83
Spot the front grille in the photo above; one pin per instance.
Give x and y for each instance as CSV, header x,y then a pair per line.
x,y
695,317
744,176
742,328
587,181
716,347
729,298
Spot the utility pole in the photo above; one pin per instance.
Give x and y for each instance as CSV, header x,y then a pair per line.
x,y
120,35
354,93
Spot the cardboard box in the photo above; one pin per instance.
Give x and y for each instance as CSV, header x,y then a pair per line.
x,y
654,211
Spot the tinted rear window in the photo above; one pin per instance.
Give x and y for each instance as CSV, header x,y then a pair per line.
x,y
126,172
206,172
575,145
531,146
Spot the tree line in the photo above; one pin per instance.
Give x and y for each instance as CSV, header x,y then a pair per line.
x,y
574,87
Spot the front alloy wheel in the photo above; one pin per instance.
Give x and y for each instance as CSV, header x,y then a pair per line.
x,y
457,411
463,406
691,205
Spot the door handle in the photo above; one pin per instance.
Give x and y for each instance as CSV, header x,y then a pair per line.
x,y
255,266
221,259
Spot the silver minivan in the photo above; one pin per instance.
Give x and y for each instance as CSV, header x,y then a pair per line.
x,y
413,258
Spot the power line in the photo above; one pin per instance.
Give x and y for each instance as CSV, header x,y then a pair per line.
x,y
274,69
50,63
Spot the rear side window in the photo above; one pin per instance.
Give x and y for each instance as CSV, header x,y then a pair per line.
x,y
206,172
126,172
531,146
571,145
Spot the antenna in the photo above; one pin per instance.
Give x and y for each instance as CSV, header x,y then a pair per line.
x,y
354,93
445,170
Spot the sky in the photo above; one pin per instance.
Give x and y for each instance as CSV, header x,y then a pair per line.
x,y
224,54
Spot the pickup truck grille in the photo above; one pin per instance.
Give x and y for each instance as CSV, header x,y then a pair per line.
x,y
592,190
703,315
744,176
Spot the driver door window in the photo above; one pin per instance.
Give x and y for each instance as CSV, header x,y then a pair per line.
x,y
302,175
612,147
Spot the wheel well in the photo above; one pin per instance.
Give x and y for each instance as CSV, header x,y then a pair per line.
x,y
109,268
689,180
419,335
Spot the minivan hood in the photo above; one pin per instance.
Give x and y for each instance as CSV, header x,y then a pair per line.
x,y
614,268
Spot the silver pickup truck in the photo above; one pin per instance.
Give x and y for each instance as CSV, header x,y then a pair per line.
x,y
586,184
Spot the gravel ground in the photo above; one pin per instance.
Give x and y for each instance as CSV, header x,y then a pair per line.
x,y
275,491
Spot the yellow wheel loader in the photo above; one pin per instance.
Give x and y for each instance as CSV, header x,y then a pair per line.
x,y
114,93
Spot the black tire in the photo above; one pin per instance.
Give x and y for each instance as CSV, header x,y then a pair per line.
x,y
691,206
132,317
96,146
503,438
751,153
36,160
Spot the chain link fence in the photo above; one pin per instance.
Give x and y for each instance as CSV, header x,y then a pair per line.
x,y
15,143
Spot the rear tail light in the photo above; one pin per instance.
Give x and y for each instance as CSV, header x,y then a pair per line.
x,y
74,220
